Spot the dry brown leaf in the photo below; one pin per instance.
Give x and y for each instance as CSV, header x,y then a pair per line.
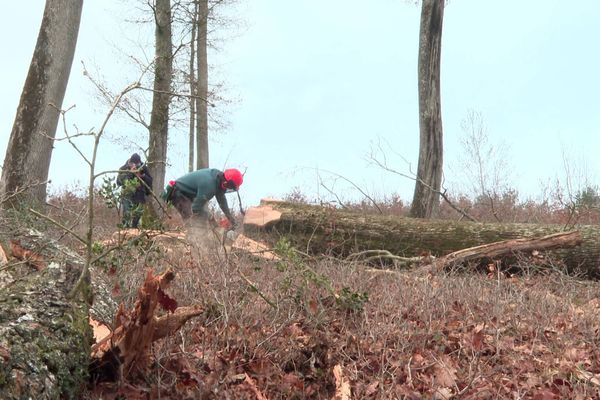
x,y
5,354
443,394
591,307
30,257
477,340
587,376
294,330
372,388
445,374
252,384
574,354
291,380
544,395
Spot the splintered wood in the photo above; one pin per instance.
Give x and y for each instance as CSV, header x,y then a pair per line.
x,y
126,349
100,330
342,386
3,258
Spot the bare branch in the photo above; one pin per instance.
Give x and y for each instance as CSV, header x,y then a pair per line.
x,y
174,94
383,165
332,193
61,226
354,185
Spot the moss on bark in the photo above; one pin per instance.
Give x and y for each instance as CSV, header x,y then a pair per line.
x,y
45,338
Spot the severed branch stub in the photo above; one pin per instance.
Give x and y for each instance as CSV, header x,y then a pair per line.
x,y
126,348
510,247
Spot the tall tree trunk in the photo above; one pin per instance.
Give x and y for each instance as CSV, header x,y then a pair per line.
x,y
192,90
425,202
202,87
159,120
29,149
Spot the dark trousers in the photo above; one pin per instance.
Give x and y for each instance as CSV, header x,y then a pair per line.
x,y
183,205
132,212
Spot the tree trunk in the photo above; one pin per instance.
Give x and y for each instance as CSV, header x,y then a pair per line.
x,y
45,337
193,91
159,120
325,230
202,87
30,145
425,202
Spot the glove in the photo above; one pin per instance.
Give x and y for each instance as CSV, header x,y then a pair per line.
x,y
225,224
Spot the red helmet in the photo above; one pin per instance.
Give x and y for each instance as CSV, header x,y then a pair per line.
x,y
233,179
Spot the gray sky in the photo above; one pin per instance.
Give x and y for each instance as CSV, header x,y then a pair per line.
x,y
319,82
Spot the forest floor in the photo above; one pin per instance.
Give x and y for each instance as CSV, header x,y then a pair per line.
x,y
323,328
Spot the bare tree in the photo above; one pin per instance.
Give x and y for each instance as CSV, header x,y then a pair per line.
x,y
192,77
425,202
483,165
202,85
29,149
159,120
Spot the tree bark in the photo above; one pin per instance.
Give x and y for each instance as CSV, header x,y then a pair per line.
x,y
159,120
202,154
428,183
29,149
508,248
45,337
326,230
193,91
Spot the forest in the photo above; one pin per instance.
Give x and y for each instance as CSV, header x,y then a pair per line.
x,y
139,286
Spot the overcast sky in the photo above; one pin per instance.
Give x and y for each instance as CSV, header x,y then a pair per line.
x,y
318,83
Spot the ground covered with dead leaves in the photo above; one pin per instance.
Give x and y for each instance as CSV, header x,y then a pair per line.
x,y
303,328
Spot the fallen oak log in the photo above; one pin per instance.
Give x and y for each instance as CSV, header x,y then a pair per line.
x,y
328,230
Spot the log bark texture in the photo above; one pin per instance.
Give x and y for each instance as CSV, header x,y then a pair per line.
x,y
45,337
322,229
509,248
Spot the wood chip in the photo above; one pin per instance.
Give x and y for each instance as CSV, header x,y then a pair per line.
x,y
342,386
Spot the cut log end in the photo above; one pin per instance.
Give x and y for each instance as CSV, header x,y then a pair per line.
x,y
261,216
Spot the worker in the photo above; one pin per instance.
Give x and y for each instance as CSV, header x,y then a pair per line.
x,y
136,183
191,193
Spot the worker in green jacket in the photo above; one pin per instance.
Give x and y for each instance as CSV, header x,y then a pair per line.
x,y
191,193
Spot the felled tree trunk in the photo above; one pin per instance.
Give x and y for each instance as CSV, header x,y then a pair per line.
x,y
45,337
318,229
